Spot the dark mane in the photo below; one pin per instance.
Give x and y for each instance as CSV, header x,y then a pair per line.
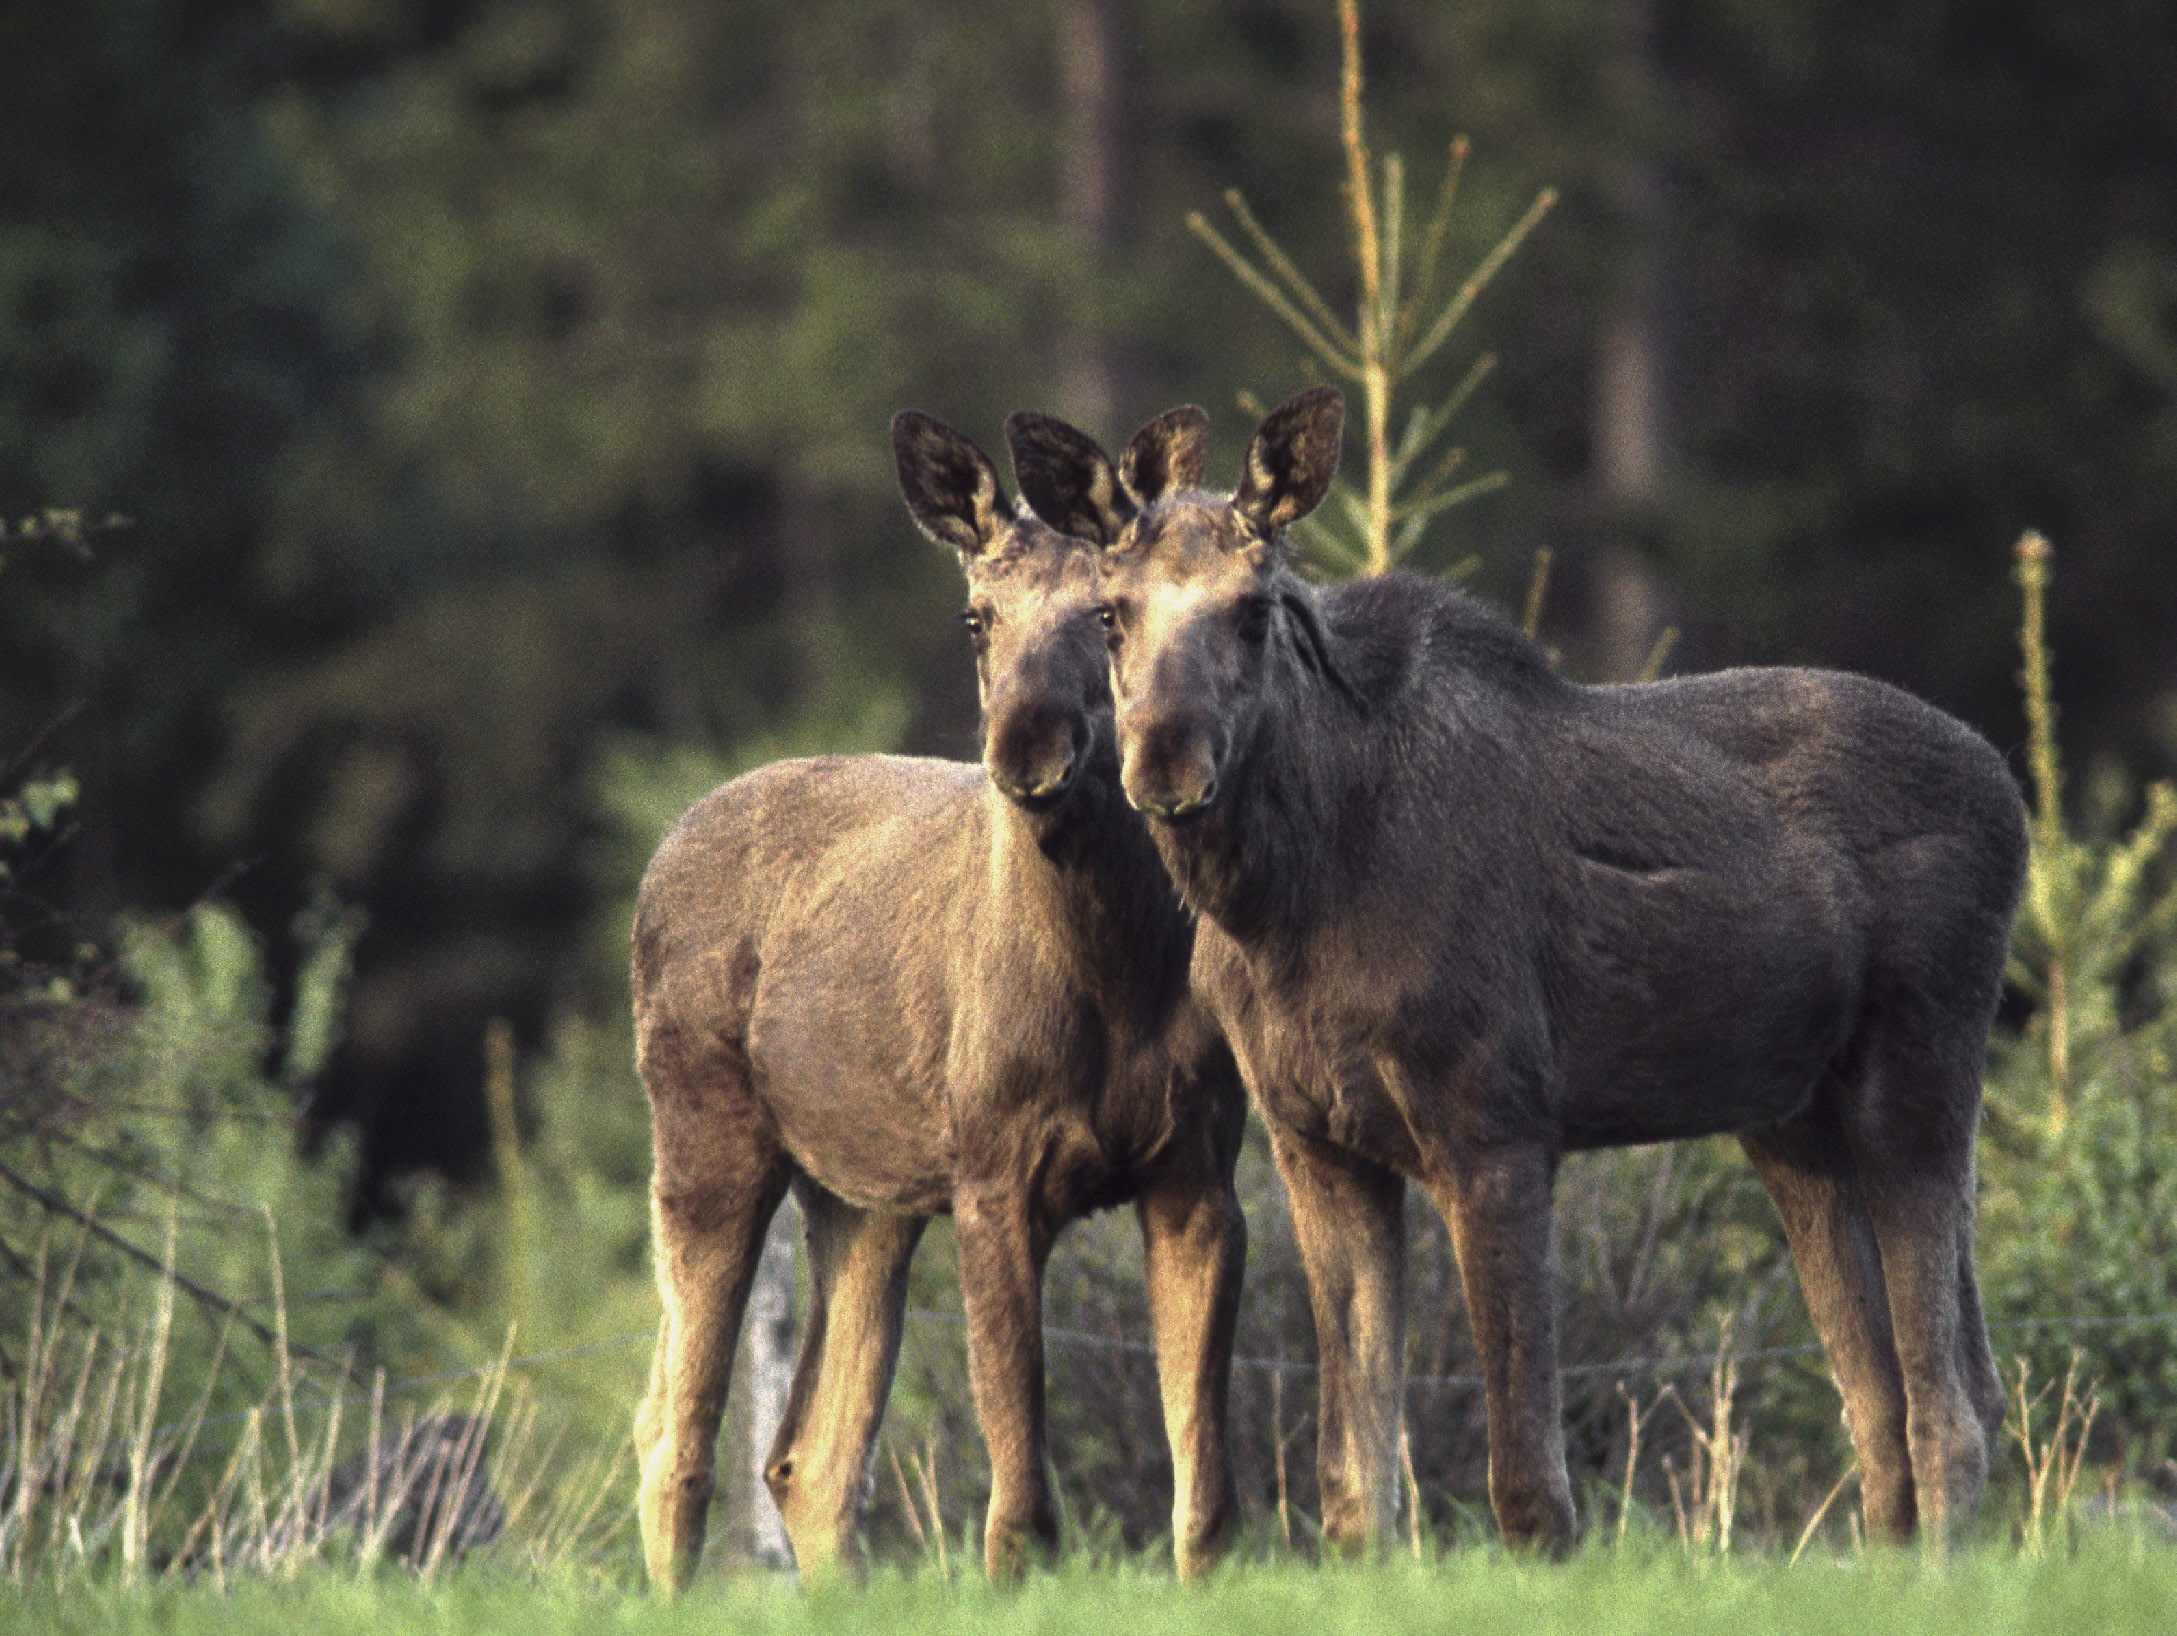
x,y
1387,630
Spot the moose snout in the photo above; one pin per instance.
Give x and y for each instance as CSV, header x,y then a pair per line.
x,y
1034,753
1169,768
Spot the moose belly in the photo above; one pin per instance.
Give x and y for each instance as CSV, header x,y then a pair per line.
x,y
1703,1007
848,1057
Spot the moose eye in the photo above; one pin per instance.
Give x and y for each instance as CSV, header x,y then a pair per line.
x,y
974,621
1108,617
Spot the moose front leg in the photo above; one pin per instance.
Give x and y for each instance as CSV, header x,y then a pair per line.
x,y
1194,1243
1497,1205
1349,1220
1002,1253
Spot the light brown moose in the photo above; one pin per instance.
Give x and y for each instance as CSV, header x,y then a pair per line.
x,y
905,986
1460,915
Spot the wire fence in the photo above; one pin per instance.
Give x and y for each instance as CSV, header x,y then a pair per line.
x,y
1692,1362
1649,1367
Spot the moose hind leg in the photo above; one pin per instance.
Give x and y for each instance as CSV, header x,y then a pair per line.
x,y
818,1468
719,1181
1911,1130
1810,1175
1976,1358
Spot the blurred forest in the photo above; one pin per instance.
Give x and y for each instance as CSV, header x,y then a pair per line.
x,y
489,400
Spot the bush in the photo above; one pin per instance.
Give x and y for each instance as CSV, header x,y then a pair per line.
x,y
2078,1229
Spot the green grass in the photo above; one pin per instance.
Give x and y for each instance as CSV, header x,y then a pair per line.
x,y
2116,1584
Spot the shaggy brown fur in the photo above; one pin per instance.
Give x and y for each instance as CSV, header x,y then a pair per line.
x,y
1461,915
905,986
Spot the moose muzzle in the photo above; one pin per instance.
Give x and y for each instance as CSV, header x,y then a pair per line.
x,y
1168,764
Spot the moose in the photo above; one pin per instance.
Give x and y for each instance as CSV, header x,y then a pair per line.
x,y
1460,915
903,986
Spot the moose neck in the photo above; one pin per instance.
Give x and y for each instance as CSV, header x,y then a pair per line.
x,y
1263,862
1086,872
1397,723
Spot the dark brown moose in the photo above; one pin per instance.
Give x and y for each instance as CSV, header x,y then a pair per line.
x,y
906,986
1461,916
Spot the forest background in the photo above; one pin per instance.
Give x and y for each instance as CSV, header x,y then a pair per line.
x,y
440,440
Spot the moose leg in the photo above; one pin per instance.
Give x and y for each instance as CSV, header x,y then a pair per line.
x,y
1497,1205
719,1181
1945,1428
1002,1253
1976,1358
1194,1242
819,1463
1810,1175
1910,1116
1349,1220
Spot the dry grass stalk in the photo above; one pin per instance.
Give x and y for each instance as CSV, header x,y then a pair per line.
x,y
908,1508
926,1475
2052,1463
1413,1489
1822,1510
136,1512
1708,1504
1283,1440
92,1474
1635,1414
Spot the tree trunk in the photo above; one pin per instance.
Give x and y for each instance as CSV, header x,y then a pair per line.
x,y
1633,448
768,1366
1092,99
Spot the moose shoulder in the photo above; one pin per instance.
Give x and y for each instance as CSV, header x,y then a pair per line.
x,y
1461,915
904,986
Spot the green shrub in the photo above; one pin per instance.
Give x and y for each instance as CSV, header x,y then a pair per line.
x,y
2078,1225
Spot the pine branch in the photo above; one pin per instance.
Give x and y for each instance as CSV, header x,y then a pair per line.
x,y
1286,268
1473,287
1271,296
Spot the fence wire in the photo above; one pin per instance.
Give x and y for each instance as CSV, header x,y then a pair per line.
x,y
1652,1366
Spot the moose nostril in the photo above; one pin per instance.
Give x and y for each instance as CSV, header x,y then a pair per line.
x,y
1186,806
1035,778
1178,805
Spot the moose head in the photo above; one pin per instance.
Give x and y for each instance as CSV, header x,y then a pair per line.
x,y
1199,606
1031,614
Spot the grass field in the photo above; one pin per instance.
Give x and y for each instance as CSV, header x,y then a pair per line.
x,y
2117,1584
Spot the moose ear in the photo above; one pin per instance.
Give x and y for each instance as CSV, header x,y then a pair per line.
x,y
1291,460
1171,452
949,484
1066,479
